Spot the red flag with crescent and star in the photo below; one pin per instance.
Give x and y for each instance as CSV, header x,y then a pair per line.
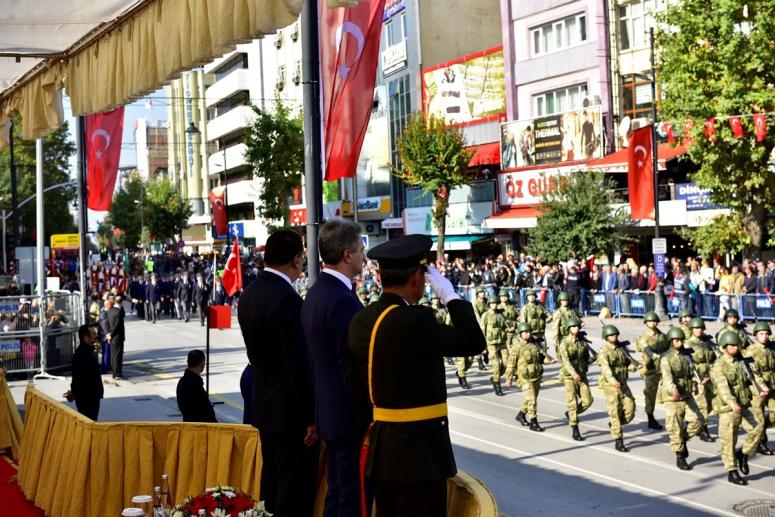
x,y
218,209
232,273
349,49
737,126
640,174
103,151
760,123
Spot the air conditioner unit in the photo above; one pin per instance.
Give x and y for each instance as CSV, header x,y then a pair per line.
x,y
295,31
280,84
297,74
591,100
278,39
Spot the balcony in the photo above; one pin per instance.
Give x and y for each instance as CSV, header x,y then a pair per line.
x,y
230,122
238,80
235,157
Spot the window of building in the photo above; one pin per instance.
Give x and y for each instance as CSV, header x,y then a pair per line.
x,y
395,29
236,62
399,109
636,96
242,98
559,101
560,34
635,20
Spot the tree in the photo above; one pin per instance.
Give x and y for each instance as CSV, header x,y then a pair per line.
x,y
434,157
716,60
57,150
167,212
275,153
576,219
127,213
723,234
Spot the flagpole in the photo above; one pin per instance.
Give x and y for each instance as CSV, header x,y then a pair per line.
x,y
83,216
659,305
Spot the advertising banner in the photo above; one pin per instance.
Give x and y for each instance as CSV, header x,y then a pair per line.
x,y
564,137
696,197
525,188
65,241
467,90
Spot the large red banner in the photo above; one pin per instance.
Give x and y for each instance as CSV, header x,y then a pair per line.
x,y
232,272
349,48
640,173
103,151
218,209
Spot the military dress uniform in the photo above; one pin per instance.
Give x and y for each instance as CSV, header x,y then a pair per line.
x,y
574,358
527,361
615,365
494,327
704,356
651,344
764,357
409,454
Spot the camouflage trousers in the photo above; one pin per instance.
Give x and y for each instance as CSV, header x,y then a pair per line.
x,y
651,382
499,358
621,408
704,399
463,364
578,398
530,404
758,404
678,413
728,428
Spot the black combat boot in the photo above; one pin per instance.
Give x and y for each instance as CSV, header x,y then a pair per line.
x,y
450,361
534,425
465,383
461,380
521,418
496,387
653,424
486,358
734,478
705,434
500,389
576,434
685,451
619,446
680,461
763,448
742,461
480,361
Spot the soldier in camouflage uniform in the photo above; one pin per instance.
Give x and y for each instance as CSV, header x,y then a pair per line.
x,y
527,360
442,316
731,322
374,298
510,313
480,307
733,404
560,317
534,314
494,328
651,345
704,356
363,295
615,365
574,358
685,316
763,352
678,382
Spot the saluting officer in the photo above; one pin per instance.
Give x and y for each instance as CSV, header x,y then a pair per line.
x,y
704,356
763,352
574,358
409,455
615,365
651,344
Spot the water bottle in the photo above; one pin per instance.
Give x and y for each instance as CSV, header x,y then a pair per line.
x,y
157,511
166,497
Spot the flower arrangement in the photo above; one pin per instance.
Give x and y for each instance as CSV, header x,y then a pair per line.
x,y
222,501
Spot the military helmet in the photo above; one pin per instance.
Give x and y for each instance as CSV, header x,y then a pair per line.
x,y
491,299
435,297
610,330
424,301
760,326
729,337
503,292
530,292
524,327
479,290
363,290
650,316
573,321
675,333
685,313
563,296
731,313
697,323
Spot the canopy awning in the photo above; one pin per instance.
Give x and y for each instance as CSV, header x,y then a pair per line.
x,y
617,162
486,154
513,218
106,53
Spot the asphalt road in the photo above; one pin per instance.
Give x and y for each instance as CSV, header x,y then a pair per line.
x,y
529,473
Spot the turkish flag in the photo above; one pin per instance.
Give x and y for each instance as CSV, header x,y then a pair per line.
x,y
349,48
218,209
710,129
737,126
640,173
232,273
668,127
103,150
760,123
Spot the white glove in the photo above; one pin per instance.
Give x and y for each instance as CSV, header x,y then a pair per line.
x,y
441,286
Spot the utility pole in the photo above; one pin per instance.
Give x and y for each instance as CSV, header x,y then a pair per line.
x,y
659,302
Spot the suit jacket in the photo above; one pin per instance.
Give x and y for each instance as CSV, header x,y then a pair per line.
x,y
325,316
201,294
412,451
115,323
152,292
183,290
270,318
87,378
193,402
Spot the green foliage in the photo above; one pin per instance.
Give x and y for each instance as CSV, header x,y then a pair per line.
x,y
330,191
576,219
275,153
434,157
127,214
57,150
716,60
723,234
167,212
105,237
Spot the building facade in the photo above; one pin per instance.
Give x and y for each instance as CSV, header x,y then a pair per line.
x,y
151,148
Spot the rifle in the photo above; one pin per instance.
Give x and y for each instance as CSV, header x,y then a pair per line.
x,y
746,363
587,343
688,353
624,346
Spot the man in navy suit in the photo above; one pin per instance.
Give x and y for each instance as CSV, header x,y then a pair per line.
x,y
325,316
283,401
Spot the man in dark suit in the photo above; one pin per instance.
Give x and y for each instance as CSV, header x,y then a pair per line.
x,y
183,293
114,330
86,387
325,315
409,451
193,402
201,298
152,299
283,402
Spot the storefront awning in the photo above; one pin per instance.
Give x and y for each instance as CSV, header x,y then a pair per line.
x,y
104,54
513,219
486,154
617,162
458,242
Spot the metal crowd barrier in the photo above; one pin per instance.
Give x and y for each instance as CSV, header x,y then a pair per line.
x,y
35,340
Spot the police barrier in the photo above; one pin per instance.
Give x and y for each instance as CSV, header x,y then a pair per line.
x,y
756,306
635,303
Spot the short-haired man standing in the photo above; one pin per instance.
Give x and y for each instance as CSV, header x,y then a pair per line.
x,y
86,387
283,402
409,451
326,314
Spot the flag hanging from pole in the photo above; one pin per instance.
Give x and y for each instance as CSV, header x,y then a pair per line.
x,y
737,126
760,122
232,273
218,210
349,49
640,173
103,151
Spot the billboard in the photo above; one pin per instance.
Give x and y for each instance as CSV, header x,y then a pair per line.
x,y
696,198
527,188
564,137
468,90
